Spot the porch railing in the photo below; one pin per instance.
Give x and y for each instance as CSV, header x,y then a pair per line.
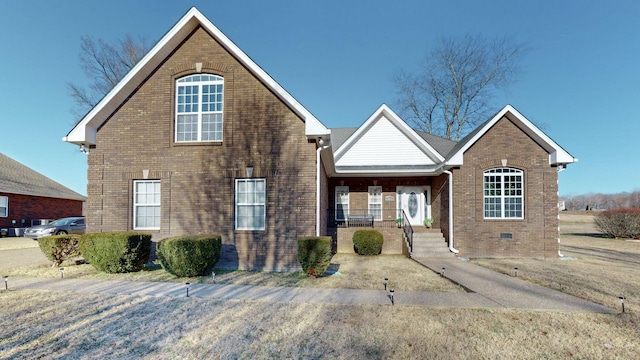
x,y
362,218
408,230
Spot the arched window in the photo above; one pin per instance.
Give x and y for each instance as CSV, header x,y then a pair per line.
x,y
503,193
199,100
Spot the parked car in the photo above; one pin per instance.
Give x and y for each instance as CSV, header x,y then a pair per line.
x,y
70,225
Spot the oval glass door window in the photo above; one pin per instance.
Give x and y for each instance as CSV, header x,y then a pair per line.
x,y
413,204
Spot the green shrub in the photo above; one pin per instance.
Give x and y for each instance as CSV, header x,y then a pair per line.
x,y
189,255
59,248
367,242
619,223
116,252
314,254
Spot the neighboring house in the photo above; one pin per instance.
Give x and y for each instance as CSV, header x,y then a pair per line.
x,y
197,138
26,196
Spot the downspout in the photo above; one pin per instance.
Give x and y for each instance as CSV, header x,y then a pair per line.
x,y
560,169
318,173
451,248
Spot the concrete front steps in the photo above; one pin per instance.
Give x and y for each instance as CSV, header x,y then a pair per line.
x,y
429,243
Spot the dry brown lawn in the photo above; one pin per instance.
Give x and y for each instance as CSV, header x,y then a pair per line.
x,y
52,325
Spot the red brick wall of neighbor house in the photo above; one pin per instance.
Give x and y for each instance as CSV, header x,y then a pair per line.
x,y
36,207
198,181
534,236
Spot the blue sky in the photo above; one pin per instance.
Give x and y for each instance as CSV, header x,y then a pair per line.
x,y
338,58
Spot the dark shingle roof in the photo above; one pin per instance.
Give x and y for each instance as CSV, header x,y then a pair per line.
x,y
16,178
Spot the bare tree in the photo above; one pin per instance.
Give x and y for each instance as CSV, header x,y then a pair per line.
x,y
105,64
451,92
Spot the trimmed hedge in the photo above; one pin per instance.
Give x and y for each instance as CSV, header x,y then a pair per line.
x,y
314,254
367,242
619,223
116,252
59,248
189,255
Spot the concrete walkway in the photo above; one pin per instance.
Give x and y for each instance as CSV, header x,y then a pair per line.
x,y
487,289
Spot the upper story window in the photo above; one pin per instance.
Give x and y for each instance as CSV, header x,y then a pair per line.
x,y
503,194
199,100
4,206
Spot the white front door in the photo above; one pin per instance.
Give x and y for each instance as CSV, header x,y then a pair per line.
x,y
415,201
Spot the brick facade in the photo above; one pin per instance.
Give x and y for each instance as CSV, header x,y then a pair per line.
x,y
534,236
198,180
27,208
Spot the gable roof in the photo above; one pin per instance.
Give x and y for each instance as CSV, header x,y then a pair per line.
x,y
16,178
84,133
383,144
557,155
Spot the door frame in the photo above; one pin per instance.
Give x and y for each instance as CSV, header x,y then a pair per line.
x,y
424,199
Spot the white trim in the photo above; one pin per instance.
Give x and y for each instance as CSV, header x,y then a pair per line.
x,y
4,204
136,205
369,202
262,203
342,189
385,111
503,196
557,155
84,133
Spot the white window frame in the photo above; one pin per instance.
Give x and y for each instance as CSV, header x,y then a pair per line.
x,y
4,206
254,201
338,190
151,201
503,193
192,105
375,199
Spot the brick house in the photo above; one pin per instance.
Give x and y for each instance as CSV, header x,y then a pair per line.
x,y
197,138
27,195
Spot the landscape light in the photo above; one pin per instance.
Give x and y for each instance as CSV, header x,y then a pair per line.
x,y
515,269
187,284
61,273
622,301
391,295
386,281
6,282
442,272
213,276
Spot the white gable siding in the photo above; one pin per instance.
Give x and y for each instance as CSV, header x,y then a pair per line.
x,y
383,144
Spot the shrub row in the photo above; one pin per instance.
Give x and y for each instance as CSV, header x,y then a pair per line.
x,y
59,248
116,252
189,255
314,254
367,242
619,223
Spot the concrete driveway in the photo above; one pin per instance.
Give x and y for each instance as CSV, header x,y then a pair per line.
x,y
17,252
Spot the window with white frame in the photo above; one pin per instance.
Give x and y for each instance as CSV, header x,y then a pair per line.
x,y
146,204
503,193
342,202
250,204
4,206
199,100
375,202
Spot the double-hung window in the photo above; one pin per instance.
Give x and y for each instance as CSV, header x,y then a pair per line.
x,y
4,206
375,202
146,204
503,194
199,100
342,202
250,204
